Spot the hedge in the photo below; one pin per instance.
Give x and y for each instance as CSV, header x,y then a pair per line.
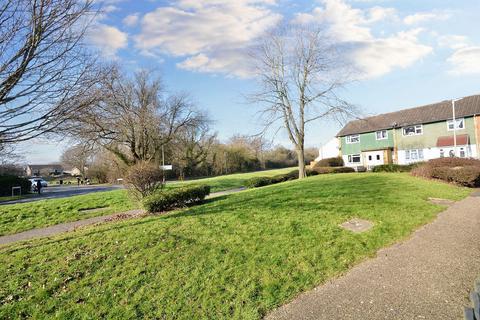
x,y
330,162
265,181
394,168
175,198
324,170
9,181
465,172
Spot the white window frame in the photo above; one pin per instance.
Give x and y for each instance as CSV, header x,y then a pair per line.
x,y
350,158
418,130
382,137
419,156
458,121
348,139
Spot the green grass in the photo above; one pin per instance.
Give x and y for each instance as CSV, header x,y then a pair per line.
x,y
236,257
24,216
233,181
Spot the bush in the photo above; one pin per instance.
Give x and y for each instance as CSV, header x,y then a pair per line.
x,y
324,170
144,179
468,176
175,198
330,162
9,181
258,182
465,172
394,168
265,181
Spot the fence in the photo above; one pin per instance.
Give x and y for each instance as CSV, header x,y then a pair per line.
x,y
473,312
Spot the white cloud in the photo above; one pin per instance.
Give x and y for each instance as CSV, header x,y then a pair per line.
x,y
107,39
373,56
453,41
212,35
422,17
465,61
131,20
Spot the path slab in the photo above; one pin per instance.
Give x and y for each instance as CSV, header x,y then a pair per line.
x,y
62,227
429,276
357,225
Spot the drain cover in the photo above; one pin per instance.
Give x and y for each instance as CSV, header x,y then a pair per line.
x,y
357,225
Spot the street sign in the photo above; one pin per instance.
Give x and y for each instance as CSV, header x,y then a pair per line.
x,y
166,167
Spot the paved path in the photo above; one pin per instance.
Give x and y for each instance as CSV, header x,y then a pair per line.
x,y
62,227
71,226
428,276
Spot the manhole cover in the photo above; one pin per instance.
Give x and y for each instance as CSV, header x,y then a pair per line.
x,y
357,225
444,202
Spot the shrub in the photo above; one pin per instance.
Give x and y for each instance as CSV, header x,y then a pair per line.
x,y
9,181
394,168
324,170
175,198
468,176
144,179
465,172
330,162
258,182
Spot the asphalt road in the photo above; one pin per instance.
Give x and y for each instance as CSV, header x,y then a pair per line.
x,y
64,191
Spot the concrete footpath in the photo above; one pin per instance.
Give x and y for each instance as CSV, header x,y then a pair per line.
x,y
71,226
429,276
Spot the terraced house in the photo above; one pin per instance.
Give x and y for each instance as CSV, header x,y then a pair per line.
x,y
444,129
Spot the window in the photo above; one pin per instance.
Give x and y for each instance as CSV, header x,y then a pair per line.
x,y
369,158
462,152
414,154
413,130
353,139
442,153
378,157
459,124
354,158
381,135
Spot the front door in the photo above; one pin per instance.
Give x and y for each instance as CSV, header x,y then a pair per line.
x,y
374,158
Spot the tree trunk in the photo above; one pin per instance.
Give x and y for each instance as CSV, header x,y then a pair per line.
x,y
301,162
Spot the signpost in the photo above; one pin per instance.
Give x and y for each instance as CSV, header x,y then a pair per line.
x,y
163,166
16,188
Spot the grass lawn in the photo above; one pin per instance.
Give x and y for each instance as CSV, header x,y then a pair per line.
x,y
235,257
25,216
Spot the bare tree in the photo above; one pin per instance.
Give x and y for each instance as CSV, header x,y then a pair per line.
x,y
44,66
300,71
78,156
191,147
134,118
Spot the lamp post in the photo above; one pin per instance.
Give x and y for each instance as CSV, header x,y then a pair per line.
x,y
454,127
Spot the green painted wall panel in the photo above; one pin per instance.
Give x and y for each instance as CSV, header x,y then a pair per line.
x,y
431,132
367,142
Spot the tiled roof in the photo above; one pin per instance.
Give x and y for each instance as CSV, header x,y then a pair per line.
x,y
440,111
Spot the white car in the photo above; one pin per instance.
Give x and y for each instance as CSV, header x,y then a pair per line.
x,y
34,182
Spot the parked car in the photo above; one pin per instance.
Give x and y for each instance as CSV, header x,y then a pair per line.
x,y
34,183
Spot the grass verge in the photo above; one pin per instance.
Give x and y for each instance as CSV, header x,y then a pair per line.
x,y
19,217
235,257
42,213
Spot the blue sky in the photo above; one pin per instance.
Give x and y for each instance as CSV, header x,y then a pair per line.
x,y
409,52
